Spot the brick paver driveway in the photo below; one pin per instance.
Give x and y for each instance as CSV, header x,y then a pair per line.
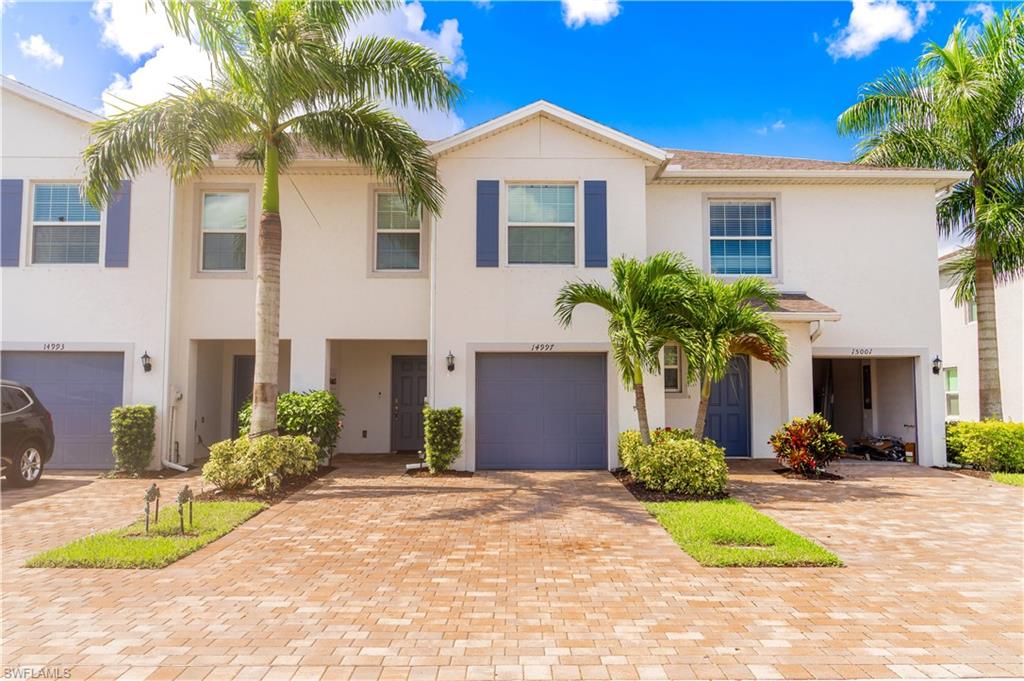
x,y
372,575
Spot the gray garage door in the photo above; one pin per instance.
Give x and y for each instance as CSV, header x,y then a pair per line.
x,y
79,389
541,411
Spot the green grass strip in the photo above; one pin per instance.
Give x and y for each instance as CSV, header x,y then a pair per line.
x,y
130,547
1015,479
730,533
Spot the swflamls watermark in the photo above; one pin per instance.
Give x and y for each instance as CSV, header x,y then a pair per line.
x,y
37,672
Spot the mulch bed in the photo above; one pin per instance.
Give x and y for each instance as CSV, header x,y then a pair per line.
x,y
793,475
643,494
162,474
969,472
287,488
425,473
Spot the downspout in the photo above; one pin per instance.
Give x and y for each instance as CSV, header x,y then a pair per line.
x,y
170,405
816,333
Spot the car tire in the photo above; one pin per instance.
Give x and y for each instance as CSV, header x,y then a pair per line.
x,y
27,466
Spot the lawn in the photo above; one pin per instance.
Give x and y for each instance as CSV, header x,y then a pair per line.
x,y
1015,479
729,533
130,547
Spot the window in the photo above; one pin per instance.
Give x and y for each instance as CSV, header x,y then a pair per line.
x,y
397,234
225,224
952,384
542,224
971,312
673,379
13,400
741,237
65,228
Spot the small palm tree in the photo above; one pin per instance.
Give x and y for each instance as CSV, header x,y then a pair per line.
x,y
715,321
284,74
638,304
962,107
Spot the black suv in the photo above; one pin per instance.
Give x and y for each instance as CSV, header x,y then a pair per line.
x,y
26,434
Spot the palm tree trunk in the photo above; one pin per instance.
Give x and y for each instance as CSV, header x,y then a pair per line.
x,y
990,395
641,406
268,302
702,409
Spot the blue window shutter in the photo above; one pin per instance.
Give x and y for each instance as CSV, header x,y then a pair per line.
x,y
10,222
595,223
486,223
118,217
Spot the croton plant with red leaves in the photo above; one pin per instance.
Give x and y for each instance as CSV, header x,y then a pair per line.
x,y
807,445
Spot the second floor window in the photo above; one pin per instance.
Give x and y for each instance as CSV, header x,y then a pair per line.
x,y
971,312
541,224
952,384
65,227
742,235
397,239
225,227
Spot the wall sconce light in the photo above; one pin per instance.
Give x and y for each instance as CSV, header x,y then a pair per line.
x,y
936,365
451,361
147,362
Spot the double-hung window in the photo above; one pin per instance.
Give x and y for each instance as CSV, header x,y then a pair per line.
x,y
971,312
952,385
742,237
672,369
541,224
397,234
65,227
225,228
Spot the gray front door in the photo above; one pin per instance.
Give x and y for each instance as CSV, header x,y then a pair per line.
x,y
728,421
242,373
408,392
79,389
541,411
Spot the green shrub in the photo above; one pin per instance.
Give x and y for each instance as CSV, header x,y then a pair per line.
x,y
954,441
993,446
807,445
313,413
261,464
134,431
679,464
442,437
629,441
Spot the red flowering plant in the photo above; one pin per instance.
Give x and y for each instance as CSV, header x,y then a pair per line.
x,y
807,445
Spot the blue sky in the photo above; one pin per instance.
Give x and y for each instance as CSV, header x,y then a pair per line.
x,y
767,77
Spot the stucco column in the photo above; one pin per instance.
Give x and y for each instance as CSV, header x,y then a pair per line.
x,y
308,364
797,378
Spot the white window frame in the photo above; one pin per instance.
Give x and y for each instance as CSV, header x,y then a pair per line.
x,y
374,232
971,310
679,366
30,241
574,224
198,198
947,392
774,239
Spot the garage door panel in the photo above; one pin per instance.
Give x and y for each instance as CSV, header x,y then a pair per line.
x,y
79,389
541,411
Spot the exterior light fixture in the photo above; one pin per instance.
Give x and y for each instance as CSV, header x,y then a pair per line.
x,y
147,362
936,365
451,361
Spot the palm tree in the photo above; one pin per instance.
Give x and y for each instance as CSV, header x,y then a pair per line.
x,y
962,107
283,74
637,303
715,321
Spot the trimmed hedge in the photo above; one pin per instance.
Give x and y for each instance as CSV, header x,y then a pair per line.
x,y
994,446
261,464
675,462
442,437
134,430
316,414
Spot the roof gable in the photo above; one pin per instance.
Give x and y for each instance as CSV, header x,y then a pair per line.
x,y
49,101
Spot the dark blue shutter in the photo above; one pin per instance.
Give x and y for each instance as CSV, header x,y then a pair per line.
x,y
486,223
118,217
595,223
10,222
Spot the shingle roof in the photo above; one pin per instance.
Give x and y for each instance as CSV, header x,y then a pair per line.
x,y
801,303
710,160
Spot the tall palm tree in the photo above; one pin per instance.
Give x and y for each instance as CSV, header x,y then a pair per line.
x,y
962,107
715,321
638,302
283,74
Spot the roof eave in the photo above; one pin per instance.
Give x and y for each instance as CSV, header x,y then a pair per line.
x,y
782,316
49,101
940,178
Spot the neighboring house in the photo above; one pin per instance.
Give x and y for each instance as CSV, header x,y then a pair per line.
x,y
387,310
960,348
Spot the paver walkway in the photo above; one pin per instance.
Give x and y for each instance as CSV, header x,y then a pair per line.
x,y
370,574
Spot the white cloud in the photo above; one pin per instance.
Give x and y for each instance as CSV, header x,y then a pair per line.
x,y
777,126
406,22
36,47
578,13
983,10
875,21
